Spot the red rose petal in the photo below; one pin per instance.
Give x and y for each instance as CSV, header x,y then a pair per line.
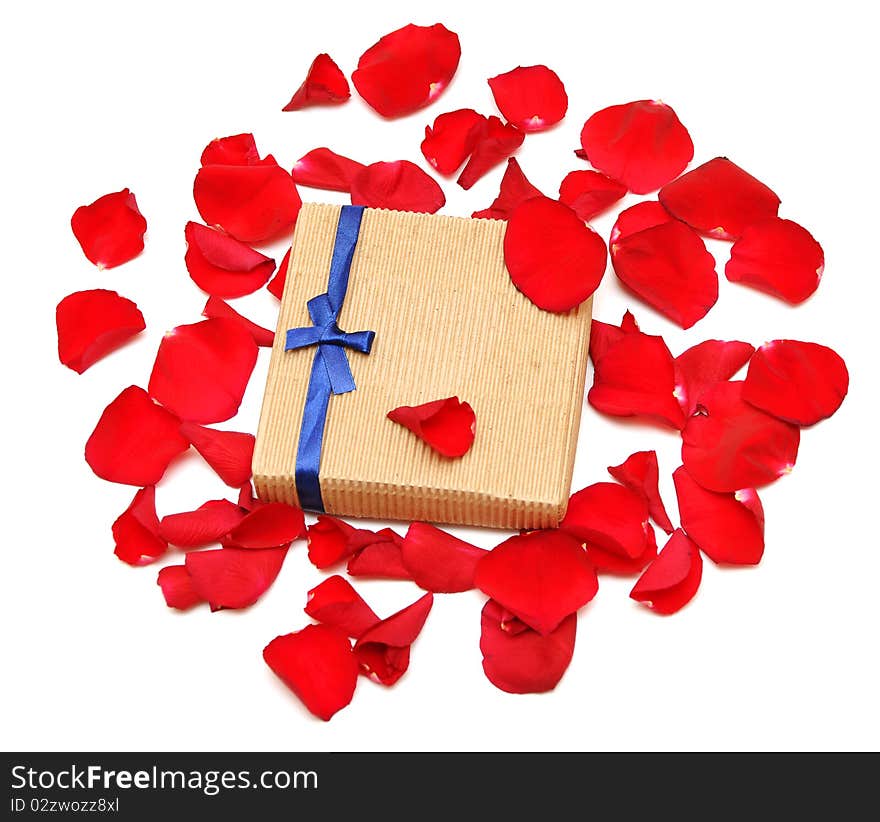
x,y
332,540
439,562
110,230
322,168
495,145
552,257
237,150
209,523
640,473
246,498
672,579
799,382
136,530
317,664
734,445
221,265
588,193
637,218
92,324
229,453
778,257
334,602
202,370
381,559
610,517
233,577
515,189
643,144
702,365
610,562
399,186
540,576
604,336
268,526
533,98
134,440
452,138
325,83
277,283
729,528
177,588
407,69
719,199
216,308
524,662
447,425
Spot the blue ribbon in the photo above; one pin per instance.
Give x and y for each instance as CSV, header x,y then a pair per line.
x,y
331,373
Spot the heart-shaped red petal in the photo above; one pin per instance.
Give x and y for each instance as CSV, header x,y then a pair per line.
x,y
334,602
704,364
672,579
209,523
515,189
324,84
533,98
438,561
323,168
589,193
221,265
233,577
452,138
110,230
641,474
398,186
136,531
447,425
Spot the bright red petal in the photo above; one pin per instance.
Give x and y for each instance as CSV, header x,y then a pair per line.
x,y
229,453
110,230
603,336
452,138
398,186
495,145
611,562
588,193
237,150
233,577
515,189
209,523
331,540
610,517
334,602
277,283
221,265
216,308
136,530
268,526
447,425
640,473
672,579
322,168
637,218
439,562
533,98
704,364
324,83
381,559
177,588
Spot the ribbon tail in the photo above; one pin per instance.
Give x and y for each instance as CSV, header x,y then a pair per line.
x,y
311,436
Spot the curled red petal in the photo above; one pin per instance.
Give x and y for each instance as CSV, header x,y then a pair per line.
x,y
552,257
407,69
496,144
452,138
611,562
533,98
136,531
524,662
381,559
277,283
268,526
323,168
217,308
637,218
438,561
399,186
134,440
331,540
447,425
177,588
202,370
92,324
325,83
110,230
729,527
233,577
236,150
778,257
317,664
246,498
515,189
730,444
221,265
588,193
643,144
640,473
610,517
671,580
540,576
229,453
334,602
719,199
704,364
209,523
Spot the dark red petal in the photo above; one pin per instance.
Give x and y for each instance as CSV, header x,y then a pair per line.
x,y
447,425
704,364
731,445
531,97
439,562
134,440
277,283
229,453
317,664
91,324
778,257
637,218
450,141
524,662
381,559
641,474
110,230
223,266
643,144
216,308
800,382
407,69
252,203
322,168
268,526
495,145
334,602
540,576
324,83
233,577
332,540
729,528
399,186
515,189
177,587
552,257
202,370
610,517
136,530
610,562
588,193
209,523
719,199
672,579
237,150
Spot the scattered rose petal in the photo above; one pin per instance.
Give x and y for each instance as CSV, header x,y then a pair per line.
x,y
438,561
136,530
229,453
533,98
233,577
334,602
268,526
589,193
495,145
221,265
515,189
325,83
637,218
610,517
277,283
208,524
331,540
323,168
452,139
177,588
671,580
381,559
216,308
603,336
704,364
641,474
611,562
447,425
237,150
398,186
110,230
246,498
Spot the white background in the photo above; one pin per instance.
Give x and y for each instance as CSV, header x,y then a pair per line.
x,y
102,96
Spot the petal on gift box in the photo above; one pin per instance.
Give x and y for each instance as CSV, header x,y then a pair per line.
x,y
719,199
381,559
202,370
704,364
447,425
553,258
671,580
134,440
237,150
399,186
729,528
331,540
778,257
588,193
217,308
324,84
110,230
317,664
515,189
334,602
268,526
221,265
323,168
177,588
229,453
637,218
610,517
253,203
641,474
407,69
209,523
277,283
730,444
452,138
643,144
540,576
495,145
533,98
233,577
609,562
136,530
438,561
524,662
669,267
92,324
799,382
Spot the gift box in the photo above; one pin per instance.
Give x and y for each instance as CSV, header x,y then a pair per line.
x,y
383,309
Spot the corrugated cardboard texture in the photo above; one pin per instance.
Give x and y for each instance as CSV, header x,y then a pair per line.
x,y
448,321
